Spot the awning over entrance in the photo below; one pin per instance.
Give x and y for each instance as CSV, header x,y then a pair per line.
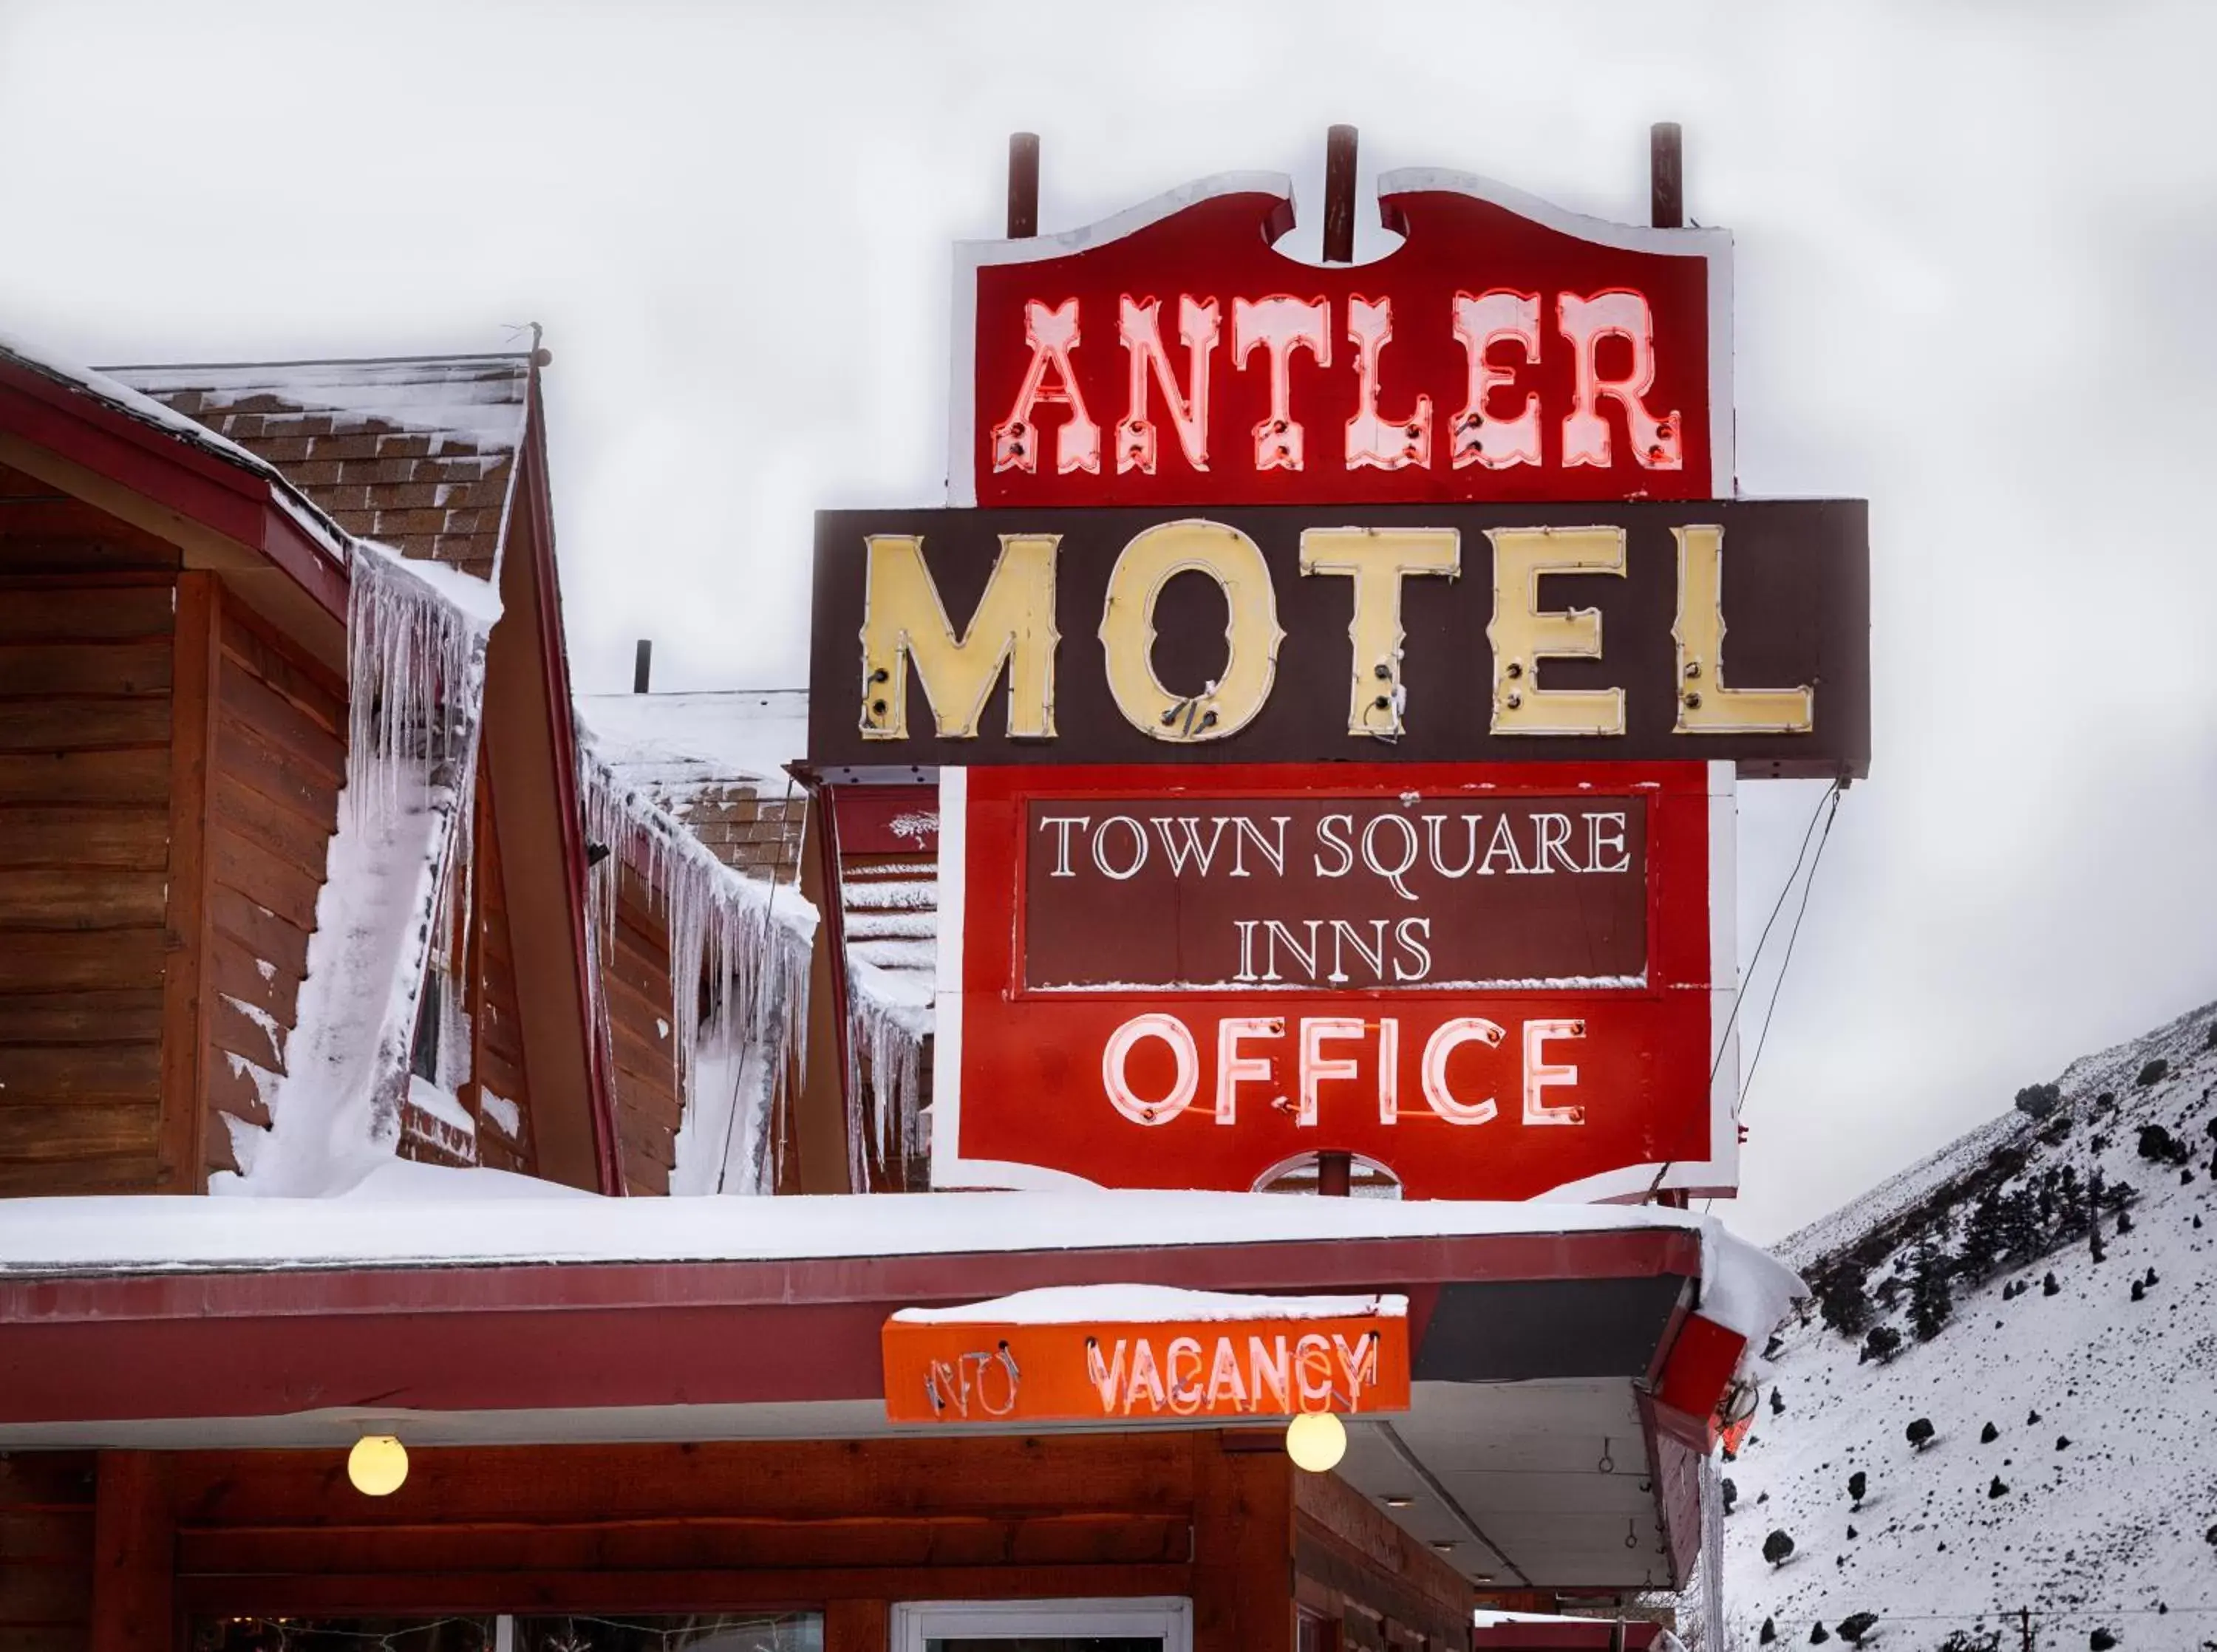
x,y
1563,1360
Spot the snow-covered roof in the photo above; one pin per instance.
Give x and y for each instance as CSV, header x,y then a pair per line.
x,y
417,452
115,392
1149,1305
752,936
474,1226
678,745
478,400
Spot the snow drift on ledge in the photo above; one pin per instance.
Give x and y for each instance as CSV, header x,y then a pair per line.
x,y
426,1216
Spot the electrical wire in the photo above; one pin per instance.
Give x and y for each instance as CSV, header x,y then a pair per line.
x,y
1778,986
1831,795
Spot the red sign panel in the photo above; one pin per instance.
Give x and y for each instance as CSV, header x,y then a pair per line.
x,y
1505,351
1493,983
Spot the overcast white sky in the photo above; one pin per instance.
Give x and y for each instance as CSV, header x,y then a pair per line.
x,y
1975,249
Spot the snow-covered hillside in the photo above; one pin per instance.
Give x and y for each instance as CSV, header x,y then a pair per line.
x,y
2072,1469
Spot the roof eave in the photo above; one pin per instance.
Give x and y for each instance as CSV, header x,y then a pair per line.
x,y
190,494
144,1344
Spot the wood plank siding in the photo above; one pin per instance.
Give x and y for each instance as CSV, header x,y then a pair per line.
x,y
169,771
499,1054
642,1034
85,677
278,761
46,1502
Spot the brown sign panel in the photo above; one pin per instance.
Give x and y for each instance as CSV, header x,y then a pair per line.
x,y
1708,630
1303,892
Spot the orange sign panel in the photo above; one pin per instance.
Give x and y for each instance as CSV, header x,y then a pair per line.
x,y
983,1370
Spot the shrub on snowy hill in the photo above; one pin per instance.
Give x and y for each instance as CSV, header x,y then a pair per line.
x,y
1777,1547
2023,1238
2039,1101
2099,1513
2160,1144
1931,1300
1843,1298
1980,1251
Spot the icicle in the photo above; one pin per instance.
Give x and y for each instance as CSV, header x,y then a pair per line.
x,y
888,1018
416,649
749,940
416,665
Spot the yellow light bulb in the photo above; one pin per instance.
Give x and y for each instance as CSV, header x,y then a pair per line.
x,y
377,1465
1316,1441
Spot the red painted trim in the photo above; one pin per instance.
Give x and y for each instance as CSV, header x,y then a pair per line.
x,y
867,814
77,417
1698,1369
296,550
237,501
1679,1310
1690,1431
591,1335
531,481
1671,1456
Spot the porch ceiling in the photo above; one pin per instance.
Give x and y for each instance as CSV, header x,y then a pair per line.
x,y
1505,1479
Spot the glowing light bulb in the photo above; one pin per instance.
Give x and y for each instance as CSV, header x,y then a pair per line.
x,y
1316,1441
377,1465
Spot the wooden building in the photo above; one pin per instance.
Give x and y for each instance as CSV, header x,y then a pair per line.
x,y
323,909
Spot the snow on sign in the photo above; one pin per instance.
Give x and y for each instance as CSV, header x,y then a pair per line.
x,y
1091,1353
1505,351
1493,983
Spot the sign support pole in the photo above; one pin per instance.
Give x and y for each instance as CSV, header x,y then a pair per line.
x,y
1336,1171
1666,175
1339,195
1024,185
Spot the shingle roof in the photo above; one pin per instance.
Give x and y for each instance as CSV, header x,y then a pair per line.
x,y
716,761
415,452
